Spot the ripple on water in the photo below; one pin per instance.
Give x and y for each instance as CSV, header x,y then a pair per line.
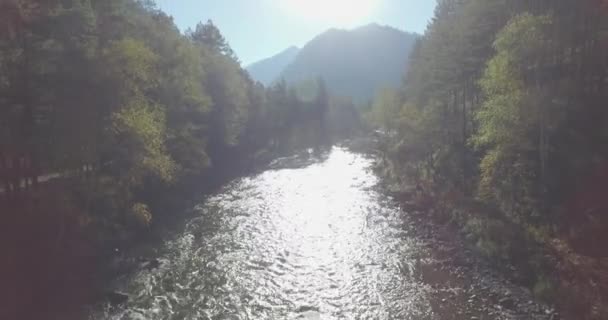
x,y
312,242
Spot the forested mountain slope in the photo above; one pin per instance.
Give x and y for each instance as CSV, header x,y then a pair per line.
x,y
135,119
268,70
503,122
354,63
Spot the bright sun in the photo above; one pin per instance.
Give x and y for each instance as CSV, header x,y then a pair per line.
x,y
340,12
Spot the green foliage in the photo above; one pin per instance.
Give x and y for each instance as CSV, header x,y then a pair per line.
x,y
511,116
110,95
505,102
139,142
133,67
385,110
228,90
141,214
208,35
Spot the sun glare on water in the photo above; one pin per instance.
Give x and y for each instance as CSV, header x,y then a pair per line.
x,y
340,12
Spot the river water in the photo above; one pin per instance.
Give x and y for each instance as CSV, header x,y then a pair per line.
x,y
312,239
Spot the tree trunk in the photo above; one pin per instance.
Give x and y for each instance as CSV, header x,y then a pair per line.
x,y
464,136
541,142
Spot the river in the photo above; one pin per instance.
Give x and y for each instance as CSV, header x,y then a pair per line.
x,y
313,238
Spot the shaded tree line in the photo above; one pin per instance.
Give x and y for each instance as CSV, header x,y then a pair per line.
x,y
111,91
133,119
504,113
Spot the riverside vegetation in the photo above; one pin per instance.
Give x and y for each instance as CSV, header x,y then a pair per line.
x,y
112,120
133,120
500,128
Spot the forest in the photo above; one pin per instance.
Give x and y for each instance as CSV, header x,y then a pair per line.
x,y
500,127
104,106
114,124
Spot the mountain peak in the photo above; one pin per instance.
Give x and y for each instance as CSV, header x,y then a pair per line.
x,y
354,63
292,48
268,70
373,25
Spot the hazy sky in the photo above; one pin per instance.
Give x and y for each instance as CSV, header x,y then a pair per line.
x,y
257,29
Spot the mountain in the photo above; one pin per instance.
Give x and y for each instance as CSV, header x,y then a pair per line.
x,y
269,70
356,62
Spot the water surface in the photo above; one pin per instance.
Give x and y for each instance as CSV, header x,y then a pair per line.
x,y
316,241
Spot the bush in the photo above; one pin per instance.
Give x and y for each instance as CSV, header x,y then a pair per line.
x,y
141,214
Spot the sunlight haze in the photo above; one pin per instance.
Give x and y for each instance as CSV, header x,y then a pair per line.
x,y
340,12
258,29
303,159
